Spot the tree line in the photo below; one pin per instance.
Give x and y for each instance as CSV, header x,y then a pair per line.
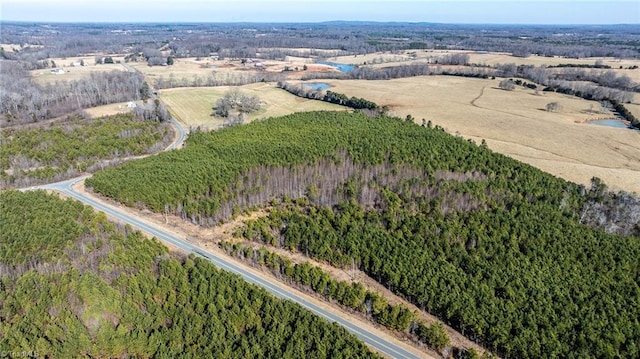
x,y
78,144
37,43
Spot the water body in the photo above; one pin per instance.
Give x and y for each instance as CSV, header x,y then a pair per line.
x,y
317,85
342,67
610,123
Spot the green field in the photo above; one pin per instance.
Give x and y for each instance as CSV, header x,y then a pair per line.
x,y
193,105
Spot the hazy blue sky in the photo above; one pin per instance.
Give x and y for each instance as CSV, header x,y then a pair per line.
x,y
453,11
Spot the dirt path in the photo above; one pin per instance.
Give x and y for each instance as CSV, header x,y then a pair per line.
x,y
473,102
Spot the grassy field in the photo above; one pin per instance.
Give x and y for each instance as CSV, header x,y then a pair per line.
x,y
381,59
181,69
515,123
45,76
488,58
193,106
108,110
634,108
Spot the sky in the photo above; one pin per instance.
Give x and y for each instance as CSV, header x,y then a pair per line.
x,y
452,11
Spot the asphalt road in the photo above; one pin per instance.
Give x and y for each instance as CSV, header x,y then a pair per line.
x,y
181,135
366,336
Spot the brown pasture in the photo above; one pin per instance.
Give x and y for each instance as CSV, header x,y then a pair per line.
x,y
44,76
515,123
108,110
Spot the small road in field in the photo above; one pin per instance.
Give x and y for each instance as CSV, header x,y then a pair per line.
x,y
370,337
473,102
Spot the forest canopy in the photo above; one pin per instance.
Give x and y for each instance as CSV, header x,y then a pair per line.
x,y
76,285
77,144
490,245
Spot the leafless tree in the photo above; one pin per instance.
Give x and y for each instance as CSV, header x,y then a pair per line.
x,y
554,107
235,105
507,84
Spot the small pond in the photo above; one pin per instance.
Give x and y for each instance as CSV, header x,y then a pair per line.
x,y
610,123
317,85
341,67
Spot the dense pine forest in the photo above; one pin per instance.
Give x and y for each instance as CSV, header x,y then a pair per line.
x,y
353,296
73,284
77,144
490,245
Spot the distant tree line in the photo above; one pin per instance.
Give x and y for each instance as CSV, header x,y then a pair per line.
x,y
597,65
277,41
22,100
356,103
607,78
218,79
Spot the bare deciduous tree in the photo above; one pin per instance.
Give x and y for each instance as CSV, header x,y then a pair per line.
x,y
554,107
235,105
507,84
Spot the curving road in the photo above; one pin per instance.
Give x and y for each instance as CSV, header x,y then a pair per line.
x,y
370,338
181,135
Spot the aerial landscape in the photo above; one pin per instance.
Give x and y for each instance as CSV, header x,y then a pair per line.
x,y
293,179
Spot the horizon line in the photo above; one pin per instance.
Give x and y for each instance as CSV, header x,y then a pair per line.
x,y
363,22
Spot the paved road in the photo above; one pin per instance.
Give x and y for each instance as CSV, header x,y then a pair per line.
x,y
368,337
181,132
181,135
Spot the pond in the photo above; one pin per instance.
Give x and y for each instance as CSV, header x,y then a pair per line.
x,y
609,123
317,85
342,67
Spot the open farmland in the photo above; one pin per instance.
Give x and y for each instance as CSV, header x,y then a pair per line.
x,y
406,57
193,106
181,69
108,110
71,73
480,57
515,123
634,108
184,71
